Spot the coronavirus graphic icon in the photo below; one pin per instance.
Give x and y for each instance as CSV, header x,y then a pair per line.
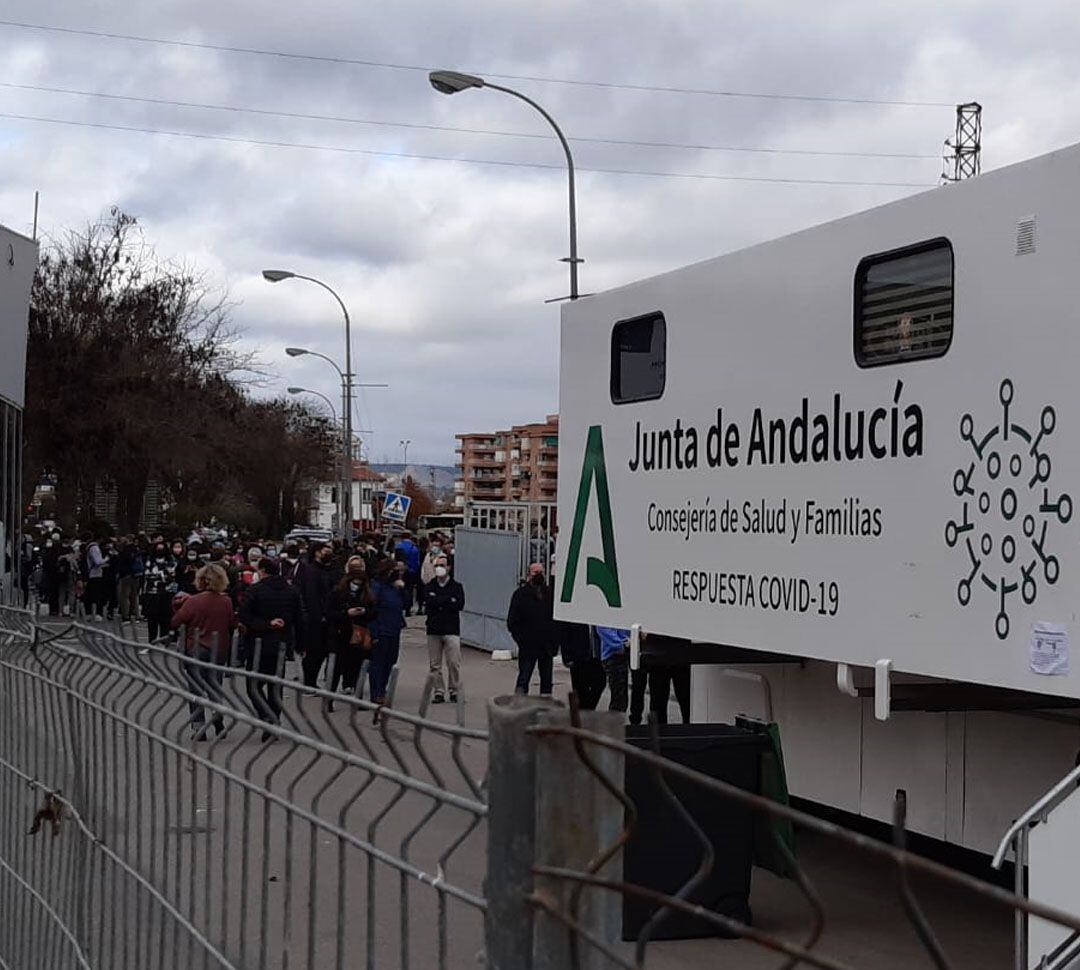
x,y
1008,515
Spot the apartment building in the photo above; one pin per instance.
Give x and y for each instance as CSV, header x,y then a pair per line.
x,y
518,465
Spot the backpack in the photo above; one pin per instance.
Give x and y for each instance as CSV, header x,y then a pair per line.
x,y
138,565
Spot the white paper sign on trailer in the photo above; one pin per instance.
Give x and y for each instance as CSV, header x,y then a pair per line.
x,y
858,442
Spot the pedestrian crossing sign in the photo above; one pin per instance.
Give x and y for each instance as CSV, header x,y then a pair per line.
x,y
396,507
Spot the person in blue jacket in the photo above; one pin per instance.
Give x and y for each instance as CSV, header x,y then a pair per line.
x,y
389,591
615,655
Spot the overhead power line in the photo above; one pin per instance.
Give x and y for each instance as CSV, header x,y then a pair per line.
x,y
545,136
345,149
390,65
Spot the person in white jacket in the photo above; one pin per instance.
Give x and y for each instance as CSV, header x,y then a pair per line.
x,y
96,593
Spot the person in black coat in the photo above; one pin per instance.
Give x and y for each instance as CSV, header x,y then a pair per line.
x,y
581,654
273,617
350,614
531,623
314,578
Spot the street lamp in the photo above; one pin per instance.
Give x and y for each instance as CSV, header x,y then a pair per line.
x,y
451,82
302,351
346,395
308,390
405,448
276,276
344,472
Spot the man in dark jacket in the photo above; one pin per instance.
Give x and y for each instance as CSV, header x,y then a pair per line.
x,y
581,654
314,579
532,625
272,617
444,599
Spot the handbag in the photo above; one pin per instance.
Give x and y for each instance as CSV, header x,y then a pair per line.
x,y
361,637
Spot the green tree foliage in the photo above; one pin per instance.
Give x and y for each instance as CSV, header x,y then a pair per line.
x,y
133,375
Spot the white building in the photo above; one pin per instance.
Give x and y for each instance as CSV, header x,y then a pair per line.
x,y
366,485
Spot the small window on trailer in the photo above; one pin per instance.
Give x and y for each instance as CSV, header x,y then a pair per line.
x,y
904,304
638,359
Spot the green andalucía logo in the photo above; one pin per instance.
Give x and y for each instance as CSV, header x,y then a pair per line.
x,y
601,573
1006,510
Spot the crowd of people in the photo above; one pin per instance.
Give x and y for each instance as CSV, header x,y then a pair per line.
x,y
259,603
598,657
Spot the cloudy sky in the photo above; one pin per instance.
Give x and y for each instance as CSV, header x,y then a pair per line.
x,y
446,264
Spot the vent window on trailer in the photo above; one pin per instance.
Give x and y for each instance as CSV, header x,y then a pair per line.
x,y
904,304
638,359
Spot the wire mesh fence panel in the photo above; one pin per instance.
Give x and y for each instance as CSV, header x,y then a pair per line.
x,y
192,815
584,886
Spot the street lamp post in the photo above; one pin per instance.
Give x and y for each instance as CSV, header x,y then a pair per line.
x,y
345,483
451,82
276,276
330,404
405,459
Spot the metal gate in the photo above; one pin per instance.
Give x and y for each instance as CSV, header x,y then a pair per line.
x,y
488,564
492,554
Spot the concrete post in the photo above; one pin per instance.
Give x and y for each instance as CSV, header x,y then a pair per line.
x,y
577,818
511,829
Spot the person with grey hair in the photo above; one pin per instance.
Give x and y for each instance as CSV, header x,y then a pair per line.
x,y
444,599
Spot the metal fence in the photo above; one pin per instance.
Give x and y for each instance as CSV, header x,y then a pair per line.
x,y
536,522
571,863
134,833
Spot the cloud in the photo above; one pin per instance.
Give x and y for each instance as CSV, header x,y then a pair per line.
x,y
445,266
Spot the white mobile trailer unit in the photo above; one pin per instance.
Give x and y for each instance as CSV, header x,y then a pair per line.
x,y
856,445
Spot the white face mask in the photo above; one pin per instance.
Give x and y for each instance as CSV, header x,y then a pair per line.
x,y
440,571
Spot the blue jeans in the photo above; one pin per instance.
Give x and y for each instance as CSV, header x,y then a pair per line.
x,y
383,658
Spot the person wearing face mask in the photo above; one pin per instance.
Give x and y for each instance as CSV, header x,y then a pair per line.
x,y
96,595
290,563
315,579
187,569
531,623
158,591
272,617
427,570
389,593
408,552
444,599
350,613
219,555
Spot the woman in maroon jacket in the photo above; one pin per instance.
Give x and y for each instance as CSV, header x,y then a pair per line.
x,y
210,620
